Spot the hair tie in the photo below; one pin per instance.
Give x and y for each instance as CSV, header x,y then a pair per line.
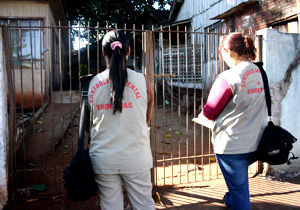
x,y
116,44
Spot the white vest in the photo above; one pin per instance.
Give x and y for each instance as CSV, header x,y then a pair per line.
x,y
240,125
120,142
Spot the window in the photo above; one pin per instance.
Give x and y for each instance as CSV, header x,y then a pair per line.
x,y
212,41
26,42
287,27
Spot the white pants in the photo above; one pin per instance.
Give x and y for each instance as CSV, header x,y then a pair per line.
x,y
138,187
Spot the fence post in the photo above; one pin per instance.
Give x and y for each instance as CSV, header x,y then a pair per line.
x,y
149,56
4,130
259,47
12,110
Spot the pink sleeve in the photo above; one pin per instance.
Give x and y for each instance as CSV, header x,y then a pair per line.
x,y
218,98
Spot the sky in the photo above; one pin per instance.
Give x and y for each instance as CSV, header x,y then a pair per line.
x,y
156,6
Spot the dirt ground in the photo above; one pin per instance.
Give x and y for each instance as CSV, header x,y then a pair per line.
x,y
46,151
53,142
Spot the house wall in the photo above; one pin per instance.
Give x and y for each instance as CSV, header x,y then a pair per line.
x,y
36,10
54,39
285,107
23,9
27,86
260,15
3,129
201,12
27,10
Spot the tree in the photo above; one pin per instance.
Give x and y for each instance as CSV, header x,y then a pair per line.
x,y
111,11
108,13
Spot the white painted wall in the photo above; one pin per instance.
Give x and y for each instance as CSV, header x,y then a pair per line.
x,y
3,129
279,49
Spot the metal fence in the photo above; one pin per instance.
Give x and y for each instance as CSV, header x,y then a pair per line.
x,y
44,65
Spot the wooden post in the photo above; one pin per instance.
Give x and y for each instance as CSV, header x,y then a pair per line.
x,y
259,48
149,57
148,70
12,109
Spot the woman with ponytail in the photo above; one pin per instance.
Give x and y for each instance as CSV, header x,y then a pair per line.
x,y
120,104
237,109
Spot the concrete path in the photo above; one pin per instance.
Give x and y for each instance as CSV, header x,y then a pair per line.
x,y
264,194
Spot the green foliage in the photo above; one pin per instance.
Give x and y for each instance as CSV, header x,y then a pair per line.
x,y
105,13
108,13
111,11
83,69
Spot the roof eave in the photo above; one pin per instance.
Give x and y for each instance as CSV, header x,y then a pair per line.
x,y
234,10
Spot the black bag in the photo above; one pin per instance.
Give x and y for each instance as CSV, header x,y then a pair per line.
x,y
276,143
79,176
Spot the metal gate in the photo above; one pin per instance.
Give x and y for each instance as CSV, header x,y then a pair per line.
x,y
43,66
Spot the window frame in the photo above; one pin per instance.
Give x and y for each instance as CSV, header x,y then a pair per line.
x,y
30,33
213,45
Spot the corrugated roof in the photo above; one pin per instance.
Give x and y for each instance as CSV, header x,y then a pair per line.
x,y
233,10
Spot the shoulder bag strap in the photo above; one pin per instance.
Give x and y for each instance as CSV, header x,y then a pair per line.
x,y
85,82
266,86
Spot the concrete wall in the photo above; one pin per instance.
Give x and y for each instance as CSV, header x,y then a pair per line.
x,y
24,84
279,55
3,129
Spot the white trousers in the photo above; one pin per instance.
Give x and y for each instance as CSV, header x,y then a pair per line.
x,y
138,187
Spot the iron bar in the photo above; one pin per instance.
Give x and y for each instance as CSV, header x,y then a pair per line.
x,y
164,99
179,103
185,158
202,104
172,102
195,99
88,48
154,123
187,101
98,49
134,49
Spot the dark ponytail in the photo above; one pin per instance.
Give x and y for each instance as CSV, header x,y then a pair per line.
x,y
115,45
